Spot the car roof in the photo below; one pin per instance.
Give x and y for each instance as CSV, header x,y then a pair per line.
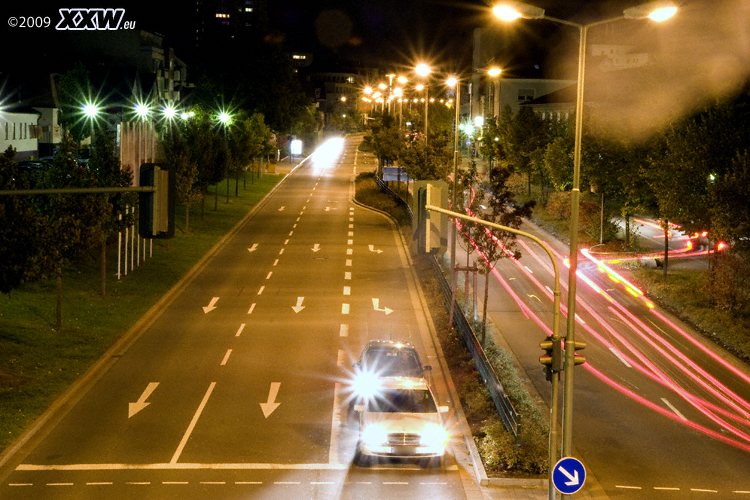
x,y
395,344
408,383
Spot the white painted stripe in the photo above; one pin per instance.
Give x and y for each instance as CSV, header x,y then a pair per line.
x,y
347,290
700,490
286,482
344,330
275,262
213,482
673,408
340,357
347,275
268,276
620,356
103,483
333,448
226,357
350,234
248,482
351,226
59,484
350,242
628,487
348,262
286,242
344,308
281,251
174,482
261,289
239,331
291,233
179,466
349,251
21,484
322,482
138,483
193,422
252,307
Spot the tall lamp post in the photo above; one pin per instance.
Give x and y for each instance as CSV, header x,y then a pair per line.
x,y
424,71
509,11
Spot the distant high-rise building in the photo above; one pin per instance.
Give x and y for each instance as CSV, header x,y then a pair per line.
x,y
219,21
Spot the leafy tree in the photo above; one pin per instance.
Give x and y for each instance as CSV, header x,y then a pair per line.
x,y
105,166
730,212
188,190
494,244
71,224
75,91
18,227
432,161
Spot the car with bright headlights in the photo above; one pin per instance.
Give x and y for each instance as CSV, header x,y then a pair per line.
x,y
401,420
390,358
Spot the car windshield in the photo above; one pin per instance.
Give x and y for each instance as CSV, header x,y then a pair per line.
x,y
389,362
403,401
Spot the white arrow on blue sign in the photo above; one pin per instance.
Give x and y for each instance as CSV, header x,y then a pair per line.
x,y
568,475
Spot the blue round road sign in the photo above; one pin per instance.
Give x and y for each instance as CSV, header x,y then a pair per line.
x,y
568,475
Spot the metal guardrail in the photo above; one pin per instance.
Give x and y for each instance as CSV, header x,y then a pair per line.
x,y
510,417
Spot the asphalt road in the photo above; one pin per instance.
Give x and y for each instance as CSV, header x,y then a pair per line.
x,y
659,412
238,388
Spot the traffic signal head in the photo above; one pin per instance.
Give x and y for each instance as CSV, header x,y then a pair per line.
x,y
579,359
552,359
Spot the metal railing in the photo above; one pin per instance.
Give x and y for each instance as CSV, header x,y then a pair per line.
x,y
510,417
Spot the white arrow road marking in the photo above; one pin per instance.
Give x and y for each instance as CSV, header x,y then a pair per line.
x,y
253,248
269,406
281,208
299,305
211,305
316,247
134,408
376,306
372,249
573,477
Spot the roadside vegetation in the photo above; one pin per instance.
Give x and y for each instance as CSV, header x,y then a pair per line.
x,y
39,361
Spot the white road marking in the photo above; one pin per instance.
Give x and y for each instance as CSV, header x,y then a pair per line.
x,y
239,331
347,290
348,263
350,242
673,408
347,275
252,306
261,289
268,276
344,330
344,308
226,357
620,356
193,422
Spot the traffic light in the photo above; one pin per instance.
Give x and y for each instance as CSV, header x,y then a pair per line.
x,y
552,358
579,359
156,209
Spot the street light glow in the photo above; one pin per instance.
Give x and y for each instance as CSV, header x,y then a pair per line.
x,y
224,117
494,71
169,112
423,69
510,11
90,110
656,11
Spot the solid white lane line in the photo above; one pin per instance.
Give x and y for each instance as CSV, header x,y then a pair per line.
x,y
193,422
226,357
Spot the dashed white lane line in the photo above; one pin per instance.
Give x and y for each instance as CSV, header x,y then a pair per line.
x,y
344,308
344,330
226,357
239,331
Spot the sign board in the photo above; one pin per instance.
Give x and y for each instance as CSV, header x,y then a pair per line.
x,y
395,174
568,475
296,147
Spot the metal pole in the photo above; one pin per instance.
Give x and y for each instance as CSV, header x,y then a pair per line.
x,y
555,332
426,107
570,349
454,236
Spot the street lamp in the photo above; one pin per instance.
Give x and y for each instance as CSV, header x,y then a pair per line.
x,y
424,71
509,11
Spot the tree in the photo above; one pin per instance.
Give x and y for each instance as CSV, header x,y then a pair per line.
x,y
105,166
75,92
493,244
430,161
71,224
18,227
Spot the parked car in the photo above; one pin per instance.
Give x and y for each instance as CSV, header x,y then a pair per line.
x,y
401,421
